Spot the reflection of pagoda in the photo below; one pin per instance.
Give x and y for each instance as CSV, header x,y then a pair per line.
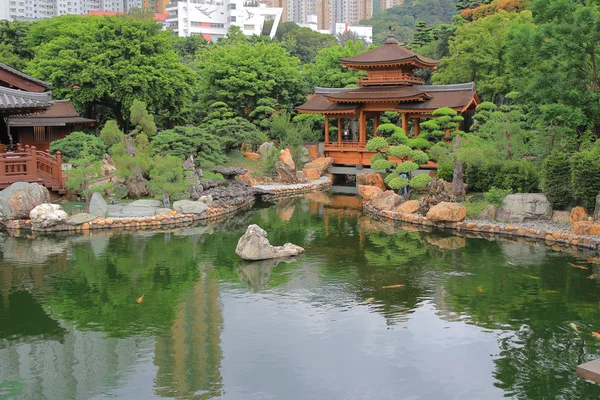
x,y
390,85
189,355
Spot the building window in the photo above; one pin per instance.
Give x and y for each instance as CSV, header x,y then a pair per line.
x,y
248,27
217,25
39,133
231,6
232,19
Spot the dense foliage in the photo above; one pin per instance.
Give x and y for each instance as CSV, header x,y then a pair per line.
x,y
556,179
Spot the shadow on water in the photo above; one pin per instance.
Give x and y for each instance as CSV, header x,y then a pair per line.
x,y
177,314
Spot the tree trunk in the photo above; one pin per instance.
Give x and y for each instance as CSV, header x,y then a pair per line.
x,y
137,185
458,181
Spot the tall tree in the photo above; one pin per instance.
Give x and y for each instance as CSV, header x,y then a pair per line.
x,y
110,61
14,50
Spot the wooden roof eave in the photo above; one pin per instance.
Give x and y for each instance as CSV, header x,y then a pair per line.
x,y
392,63
346,113
474,101
394,100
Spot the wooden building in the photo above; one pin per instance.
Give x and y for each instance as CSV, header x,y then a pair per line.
x,y
390,85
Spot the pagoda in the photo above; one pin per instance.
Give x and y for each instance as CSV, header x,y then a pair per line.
x,y
390,85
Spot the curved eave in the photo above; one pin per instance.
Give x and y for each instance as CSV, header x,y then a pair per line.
x,y
414,61
328,112
379,100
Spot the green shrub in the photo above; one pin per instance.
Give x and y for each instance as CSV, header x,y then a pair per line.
x,y
439,150
167,175
390,129
420,181
445,170
380,165
377,143
495,195
419,143
74,145
518,176
585,178
399,151
556,179
481,176
377,156
419,157
406,167
398,183
391,176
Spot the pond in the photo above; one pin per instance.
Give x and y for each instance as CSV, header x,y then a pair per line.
x,y
372,310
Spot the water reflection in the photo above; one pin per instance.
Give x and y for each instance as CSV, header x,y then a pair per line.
x,y
372,309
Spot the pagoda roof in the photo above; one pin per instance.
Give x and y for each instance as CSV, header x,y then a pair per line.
x,y
377,94
14,101
61,113
418,98
390,53
22,80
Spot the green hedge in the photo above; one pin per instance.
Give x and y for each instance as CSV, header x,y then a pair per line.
x,y
517,176
585,178
556,179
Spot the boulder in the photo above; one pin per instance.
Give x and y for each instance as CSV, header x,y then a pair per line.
x,y
247,178
190,207
108,165
98,206
252,156
231,193
438,190
254,245
163,211
206,200
47,215
387,201
523,207
447,212
489,213
597,209
229,173
322,165
285,156
368,193
146,203
371,179
80,219
313,151
561,217
264,149
285,173
409,207
17,200
578,214
586,228
311,174
301,177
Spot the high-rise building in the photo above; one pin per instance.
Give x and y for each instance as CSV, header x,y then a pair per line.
x,y
40,9
359,10
323,14
385,4
213,18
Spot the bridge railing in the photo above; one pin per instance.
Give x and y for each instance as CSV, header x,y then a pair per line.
x,y
30,165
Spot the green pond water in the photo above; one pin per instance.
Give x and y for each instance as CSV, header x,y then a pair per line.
x,y
475,319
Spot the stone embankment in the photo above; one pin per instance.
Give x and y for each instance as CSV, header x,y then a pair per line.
x,y
529,218
277,190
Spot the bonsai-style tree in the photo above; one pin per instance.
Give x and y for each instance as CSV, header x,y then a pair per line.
x,y
262,115
398,175
445,120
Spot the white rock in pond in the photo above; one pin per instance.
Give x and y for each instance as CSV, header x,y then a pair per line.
x,y
17,200
98,206
47,215
254,245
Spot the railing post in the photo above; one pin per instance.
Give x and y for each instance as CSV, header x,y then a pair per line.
x,y
33,172
59,169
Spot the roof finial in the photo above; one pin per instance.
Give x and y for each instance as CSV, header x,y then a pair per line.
x,y
391,39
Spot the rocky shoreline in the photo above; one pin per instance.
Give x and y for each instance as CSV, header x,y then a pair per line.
x,y
527,230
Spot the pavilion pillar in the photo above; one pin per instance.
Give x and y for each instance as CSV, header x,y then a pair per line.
x,y
362,131
376,122
405,123
340,132
326,129
417,127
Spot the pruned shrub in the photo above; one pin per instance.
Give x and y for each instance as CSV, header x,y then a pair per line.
x,y
518,176
556,179
585,178
420,181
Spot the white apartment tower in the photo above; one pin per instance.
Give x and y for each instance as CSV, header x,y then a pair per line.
x,y
213,18
40,9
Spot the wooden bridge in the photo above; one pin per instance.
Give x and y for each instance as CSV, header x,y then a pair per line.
x,y
30,165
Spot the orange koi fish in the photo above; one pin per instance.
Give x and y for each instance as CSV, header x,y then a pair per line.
x,y
479,289
596,334
140,299
509,263
593,276
400,285
593,260
578,266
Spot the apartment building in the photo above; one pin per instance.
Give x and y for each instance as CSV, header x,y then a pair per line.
x,y
385,4
41,9
213,18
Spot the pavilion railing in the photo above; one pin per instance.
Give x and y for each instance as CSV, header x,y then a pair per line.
x,y
31,165
346,145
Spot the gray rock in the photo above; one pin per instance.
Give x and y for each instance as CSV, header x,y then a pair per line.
x,y
162,211
98,206
80,219
133,211
206,200
230,193
254,245
561,217
146,203
47,215
17,200
597,208
255,274
489,213
522,207
388,200
264,149
190,207
229,172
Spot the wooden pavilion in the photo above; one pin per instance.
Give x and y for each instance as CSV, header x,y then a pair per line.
x,y
390,85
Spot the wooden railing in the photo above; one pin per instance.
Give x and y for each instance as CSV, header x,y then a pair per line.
x,y
346,145
389,78
31,165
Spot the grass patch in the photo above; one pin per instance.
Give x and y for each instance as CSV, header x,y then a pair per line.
x,y
71,207
211,175
475,207
237,159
